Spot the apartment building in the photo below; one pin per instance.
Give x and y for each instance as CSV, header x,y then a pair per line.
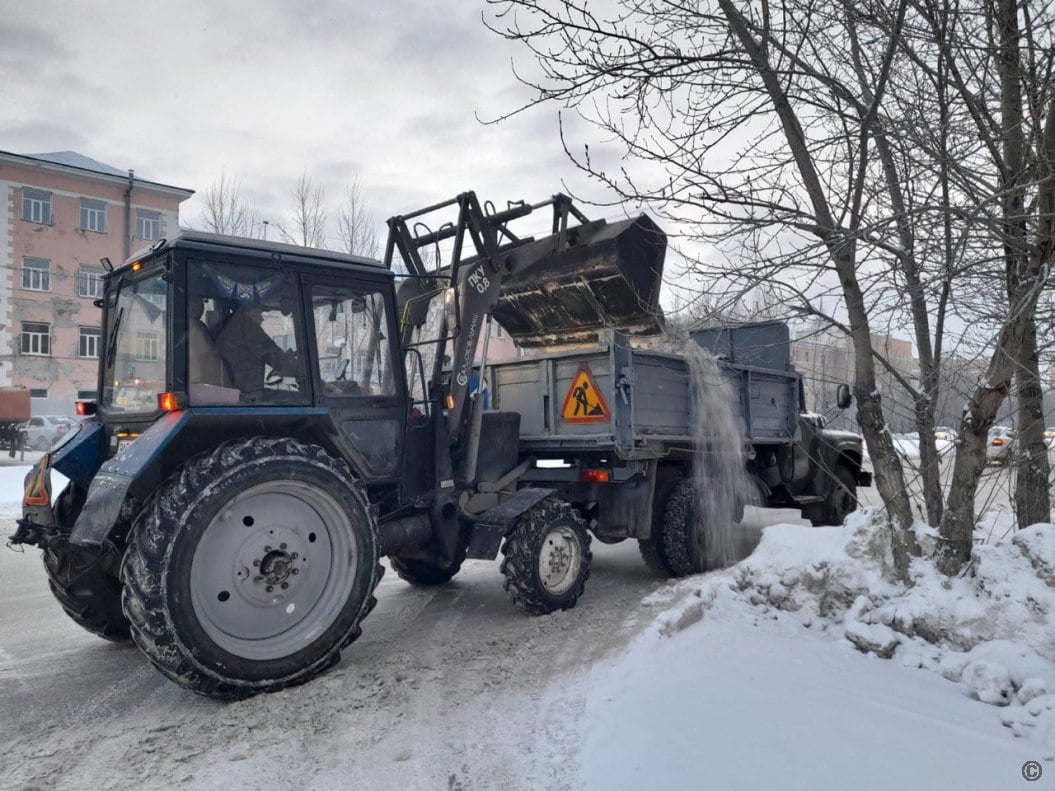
x,y
825,359
63,213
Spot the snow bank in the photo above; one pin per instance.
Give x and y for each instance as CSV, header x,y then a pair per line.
x,y
990,631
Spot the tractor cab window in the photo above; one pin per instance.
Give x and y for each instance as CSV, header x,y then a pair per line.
x,y
136,351
351,330
241,337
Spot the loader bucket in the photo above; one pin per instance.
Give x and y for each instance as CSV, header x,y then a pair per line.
x,y
607,276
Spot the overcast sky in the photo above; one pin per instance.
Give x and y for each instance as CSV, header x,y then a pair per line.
x,y
264,91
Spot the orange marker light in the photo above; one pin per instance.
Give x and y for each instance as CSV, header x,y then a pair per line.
x,y
998,441
593,476
450,401
136,266
169,402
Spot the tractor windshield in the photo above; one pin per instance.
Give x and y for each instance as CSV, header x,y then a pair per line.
x,y
136,350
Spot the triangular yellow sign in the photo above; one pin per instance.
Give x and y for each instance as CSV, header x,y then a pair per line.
x,y
584,402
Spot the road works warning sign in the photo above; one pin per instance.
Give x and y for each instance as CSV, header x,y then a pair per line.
x,y
584,402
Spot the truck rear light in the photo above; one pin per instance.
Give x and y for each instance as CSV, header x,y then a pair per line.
x,y
170,402
593,476
84,408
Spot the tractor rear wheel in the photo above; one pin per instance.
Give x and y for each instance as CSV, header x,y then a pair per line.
x,y
251,568
87,593
425,574
547,558
84,580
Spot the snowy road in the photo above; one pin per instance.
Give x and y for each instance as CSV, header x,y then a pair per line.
x,y
444,683
455,688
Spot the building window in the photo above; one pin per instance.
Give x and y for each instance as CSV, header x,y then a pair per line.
x,y
87,395
36,206
148,346
36,274
93,215
39,392
148,224
90,282
89,342
36,338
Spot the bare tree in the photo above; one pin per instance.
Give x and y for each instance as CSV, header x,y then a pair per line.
x,y
228,211
749,130
1006,89
355,223
307,215
772,128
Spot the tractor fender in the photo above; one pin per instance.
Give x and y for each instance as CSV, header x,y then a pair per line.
x,y
79,455
135,470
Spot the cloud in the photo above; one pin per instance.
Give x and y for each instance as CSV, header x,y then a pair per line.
x,y
264,91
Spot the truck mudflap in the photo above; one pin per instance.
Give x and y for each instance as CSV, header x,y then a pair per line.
x,y
492,525
129,471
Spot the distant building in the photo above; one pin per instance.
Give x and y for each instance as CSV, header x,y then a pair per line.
x,y
63,213
825,359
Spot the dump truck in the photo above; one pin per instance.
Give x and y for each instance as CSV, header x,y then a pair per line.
x,y
274,420
15,410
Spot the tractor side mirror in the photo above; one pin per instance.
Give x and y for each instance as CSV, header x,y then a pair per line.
x,y
843,399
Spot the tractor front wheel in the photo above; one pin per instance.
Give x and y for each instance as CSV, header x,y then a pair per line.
x,y
547,558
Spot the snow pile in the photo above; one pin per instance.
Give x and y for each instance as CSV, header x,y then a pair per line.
x,y
991,630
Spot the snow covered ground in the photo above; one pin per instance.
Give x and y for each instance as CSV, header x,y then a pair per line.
x,y
764,675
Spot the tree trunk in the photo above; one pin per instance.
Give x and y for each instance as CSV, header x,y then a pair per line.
x,y
1032,500
841,247
957,528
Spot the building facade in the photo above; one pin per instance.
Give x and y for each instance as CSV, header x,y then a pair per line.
x,y
825,359
64,213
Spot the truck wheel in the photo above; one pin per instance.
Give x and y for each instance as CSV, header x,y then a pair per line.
x,y
547,558
651,548
841,500
251,568
681,532
86,593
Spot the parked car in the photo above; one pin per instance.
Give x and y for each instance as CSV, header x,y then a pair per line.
x,y
946,433
42,431
999,445
1049,436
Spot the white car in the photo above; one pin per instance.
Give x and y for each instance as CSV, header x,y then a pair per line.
x,y
42,431
999,445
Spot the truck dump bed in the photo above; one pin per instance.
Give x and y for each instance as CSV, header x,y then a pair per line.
x,y
636,402
14,405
